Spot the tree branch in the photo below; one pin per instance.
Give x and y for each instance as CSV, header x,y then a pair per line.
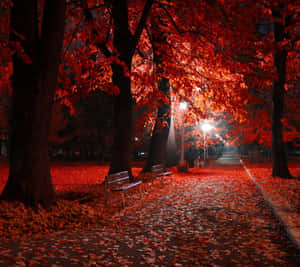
x,y
142,22
171,19
102,46
105,51
142,55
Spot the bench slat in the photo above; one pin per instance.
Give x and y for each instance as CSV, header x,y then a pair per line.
x,y
163,173
117,180
117,174
159,171
125,187
155,168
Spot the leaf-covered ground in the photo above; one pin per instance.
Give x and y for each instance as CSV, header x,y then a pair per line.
x,y
284,194
207,217
80,203
287,190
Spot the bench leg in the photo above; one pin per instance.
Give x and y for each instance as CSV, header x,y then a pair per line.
x,y
144,188
123,199
106,197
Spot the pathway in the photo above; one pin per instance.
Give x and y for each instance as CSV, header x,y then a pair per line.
x,y
229,159
210,217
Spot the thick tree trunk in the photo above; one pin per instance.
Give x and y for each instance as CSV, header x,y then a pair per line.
x,y
121,154
279,159
158,144
125,44
34,85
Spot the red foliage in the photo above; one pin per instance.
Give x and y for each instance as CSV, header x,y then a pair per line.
x,y
214,58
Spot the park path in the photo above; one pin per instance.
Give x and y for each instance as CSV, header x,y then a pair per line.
x,y
229,158
212,216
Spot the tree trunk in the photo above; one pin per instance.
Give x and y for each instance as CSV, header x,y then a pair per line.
x,y
121,156
158,144
33,85
125,44
279,159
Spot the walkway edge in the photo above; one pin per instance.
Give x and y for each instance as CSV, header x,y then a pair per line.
x,y
291,232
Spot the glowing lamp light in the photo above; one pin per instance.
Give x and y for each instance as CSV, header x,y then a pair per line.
x,y
206,127
182,105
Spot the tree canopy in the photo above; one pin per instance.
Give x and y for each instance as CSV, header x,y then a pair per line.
x,y
232,60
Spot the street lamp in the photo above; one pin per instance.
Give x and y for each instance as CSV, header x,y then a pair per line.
x,y
206,127
182,106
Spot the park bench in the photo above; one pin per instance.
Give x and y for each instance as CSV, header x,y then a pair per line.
x,y
119,182
158,171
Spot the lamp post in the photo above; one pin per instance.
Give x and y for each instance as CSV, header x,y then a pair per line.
x,y
182,166
206,127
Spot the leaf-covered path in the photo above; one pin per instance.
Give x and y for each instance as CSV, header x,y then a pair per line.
x,y
208,217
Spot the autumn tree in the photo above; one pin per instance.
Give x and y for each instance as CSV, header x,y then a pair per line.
x,y
100,43
124,45
5,71
158,143
191,62
34,79
264,63
271,78
281,33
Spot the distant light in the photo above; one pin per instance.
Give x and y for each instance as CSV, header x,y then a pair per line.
x,y
197,89
182,105
136,139
206,127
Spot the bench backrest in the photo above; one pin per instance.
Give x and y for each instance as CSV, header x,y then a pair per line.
x,y
157,168
117,178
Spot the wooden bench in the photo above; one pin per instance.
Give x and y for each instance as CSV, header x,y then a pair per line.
x,y
158,171
119,182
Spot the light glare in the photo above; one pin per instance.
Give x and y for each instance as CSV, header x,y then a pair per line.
x,y
206,127
182,105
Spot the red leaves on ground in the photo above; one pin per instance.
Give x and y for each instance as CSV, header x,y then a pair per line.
x,y
206,216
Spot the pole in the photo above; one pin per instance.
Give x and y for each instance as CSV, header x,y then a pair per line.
x,y
204,147
182,143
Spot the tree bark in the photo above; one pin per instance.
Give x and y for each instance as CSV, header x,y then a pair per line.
x,y
34,84
123,101
125,45
121,154
279,158
158,143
